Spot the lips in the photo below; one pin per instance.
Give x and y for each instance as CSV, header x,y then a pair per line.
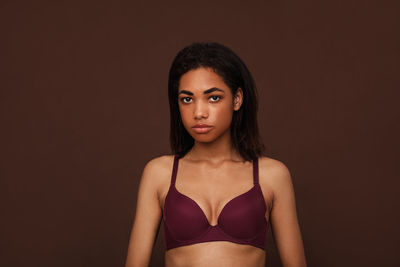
x,y
201,125
202,128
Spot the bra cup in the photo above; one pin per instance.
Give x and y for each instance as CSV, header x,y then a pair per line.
x,y
183,219
241,220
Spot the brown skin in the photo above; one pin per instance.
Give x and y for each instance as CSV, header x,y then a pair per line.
x,y
212,174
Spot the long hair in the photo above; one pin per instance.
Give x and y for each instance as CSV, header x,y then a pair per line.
x,y
224,62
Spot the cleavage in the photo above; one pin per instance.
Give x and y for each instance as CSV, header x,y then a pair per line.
x,y
219,205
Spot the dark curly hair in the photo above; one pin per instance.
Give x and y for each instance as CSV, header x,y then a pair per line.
x,y
224,62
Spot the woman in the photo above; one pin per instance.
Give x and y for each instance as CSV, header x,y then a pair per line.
x,y
217,193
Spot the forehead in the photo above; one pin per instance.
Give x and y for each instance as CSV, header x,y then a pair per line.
x,y
201,79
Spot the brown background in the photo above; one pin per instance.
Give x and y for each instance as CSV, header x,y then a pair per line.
x,y
84,106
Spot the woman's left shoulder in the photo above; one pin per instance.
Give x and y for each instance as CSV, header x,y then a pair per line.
x,y
273,173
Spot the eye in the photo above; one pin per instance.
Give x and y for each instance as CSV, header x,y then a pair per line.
x,y
183,99
214,98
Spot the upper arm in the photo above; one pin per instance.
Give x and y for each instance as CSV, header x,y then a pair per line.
x,y
283,219
147,217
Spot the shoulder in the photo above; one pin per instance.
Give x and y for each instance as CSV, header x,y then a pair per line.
x,y
158,167
157,171
274,174
159,164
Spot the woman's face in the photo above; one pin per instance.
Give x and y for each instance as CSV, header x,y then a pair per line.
x,y
204,98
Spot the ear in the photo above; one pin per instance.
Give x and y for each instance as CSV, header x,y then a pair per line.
x,y
238,99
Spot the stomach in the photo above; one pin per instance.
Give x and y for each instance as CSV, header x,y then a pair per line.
x,y
215,254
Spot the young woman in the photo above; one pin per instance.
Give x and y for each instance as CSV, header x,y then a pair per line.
x,y
217,193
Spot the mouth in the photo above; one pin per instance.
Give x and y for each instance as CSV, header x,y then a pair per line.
x,y
202,128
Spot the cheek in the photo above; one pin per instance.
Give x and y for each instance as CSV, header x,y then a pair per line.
x,y
185,115
224,114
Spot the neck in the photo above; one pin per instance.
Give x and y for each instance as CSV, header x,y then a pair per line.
x,y
219,150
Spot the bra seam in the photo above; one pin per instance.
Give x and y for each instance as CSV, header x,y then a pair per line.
x,y
248,239
191,242
241,243
201,235
209,229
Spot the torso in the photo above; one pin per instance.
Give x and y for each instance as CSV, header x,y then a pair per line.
x,y
212,187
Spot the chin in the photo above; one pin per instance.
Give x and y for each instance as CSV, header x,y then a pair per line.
x,y
206,138
203,138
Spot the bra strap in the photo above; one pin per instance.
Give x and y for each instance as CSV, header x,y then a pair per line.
x,y
255,170
174,169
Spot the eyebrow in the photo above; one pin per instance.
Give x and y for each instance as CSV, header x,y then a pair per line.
x,y
205,91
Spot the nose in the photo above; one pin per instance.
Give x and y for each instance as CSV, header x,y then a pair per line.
x,y
201,110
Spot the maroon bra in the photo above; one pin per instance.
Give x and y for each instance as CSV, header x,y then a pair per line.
x,y
242,220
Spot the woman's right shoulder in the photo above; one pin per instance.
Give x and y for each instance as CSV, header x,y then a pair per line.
x,y
159,164
158,169
156,175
